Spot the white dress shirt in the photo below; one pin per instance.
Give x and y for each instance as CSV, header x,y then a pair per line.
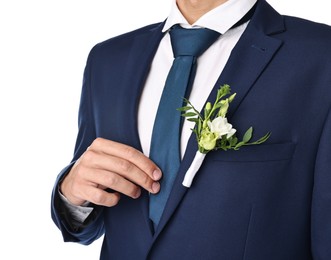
x,y
209,66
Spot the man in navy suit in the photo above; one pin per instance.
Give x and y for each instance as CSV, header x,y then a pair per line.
x,y
263,202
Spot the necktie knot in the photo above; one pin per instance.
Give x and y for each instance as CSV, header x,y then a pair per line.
x,y
191,42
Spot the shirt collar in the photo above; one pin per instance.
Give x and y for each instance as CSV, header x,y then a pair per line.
x,y
220,19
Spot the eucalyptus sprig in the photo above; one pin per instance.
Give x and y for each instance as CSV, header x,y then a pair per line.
x,y
212,129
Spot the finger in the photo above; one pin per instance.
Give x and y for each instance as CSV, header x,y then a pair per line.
x,y
111,164
116,182
129,153
81,190
101,197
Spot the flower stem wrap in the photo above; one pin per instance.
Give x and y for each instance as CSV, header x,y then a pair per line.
x,y
195,166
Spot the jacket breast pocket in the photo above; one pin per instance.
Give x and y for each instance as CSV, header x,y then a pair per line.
x,y
259,174
251,172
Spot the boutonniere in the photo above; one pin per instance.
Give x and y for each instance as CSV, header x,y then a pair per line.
x,y
213,131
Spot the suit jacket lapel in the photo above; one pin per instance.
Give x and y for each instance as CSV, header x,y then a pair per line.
x,y
143,50
249,58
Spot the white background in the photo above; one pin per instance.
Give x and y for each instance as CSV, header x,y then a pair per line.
x,y
43,49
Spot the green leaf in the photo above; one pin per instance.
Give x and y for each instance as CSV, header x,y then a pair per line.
x,y
248,135
189,114
183,109
259,141
194,119
238,145
262,139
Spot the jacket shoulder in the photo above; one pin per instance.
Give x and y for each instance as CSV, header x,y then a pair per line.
x,y
308,36
126,38
306,28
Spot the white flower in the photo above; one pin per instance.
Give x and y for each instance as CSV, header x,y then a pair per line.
x,y
221,127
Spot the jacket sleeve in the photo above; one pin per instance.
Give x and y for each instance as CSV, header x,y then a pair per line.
x,y
92,228
321,203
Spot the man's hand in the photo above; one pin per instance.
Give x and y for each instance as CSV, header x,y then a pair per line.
x,y
107,164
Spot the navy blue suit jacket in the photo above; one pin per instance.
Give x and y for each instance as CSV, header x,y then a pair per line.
x,y
263,202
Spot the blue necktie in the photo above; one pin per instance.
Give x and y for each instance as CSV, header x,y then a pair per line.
x,y
187,45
